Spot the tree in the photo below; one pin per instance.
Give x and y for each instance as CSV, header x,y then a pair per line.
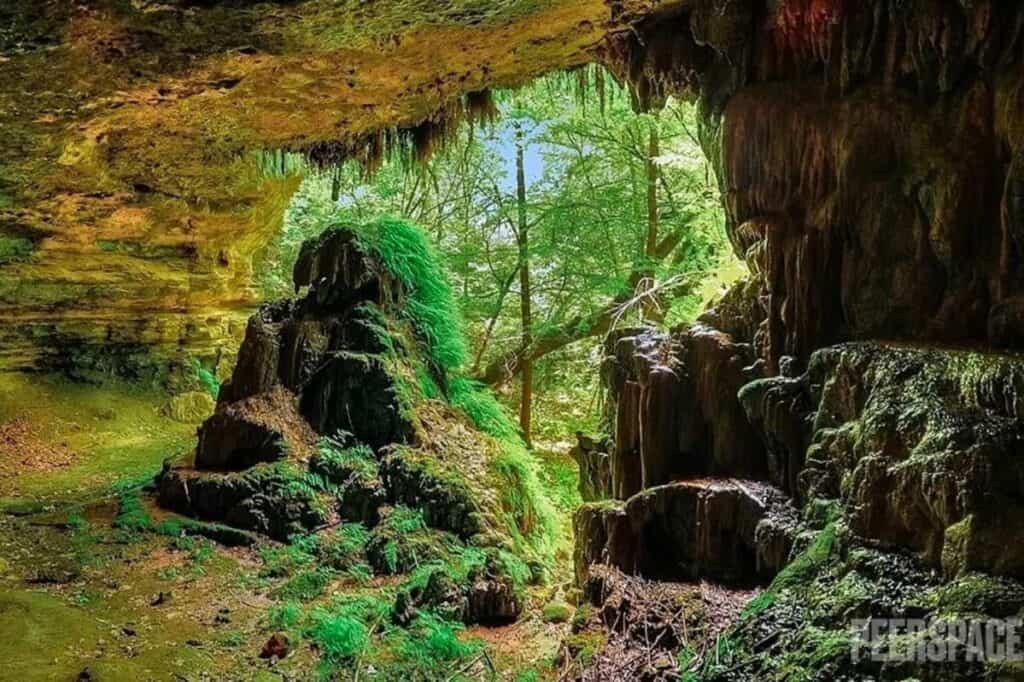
x,y
587,214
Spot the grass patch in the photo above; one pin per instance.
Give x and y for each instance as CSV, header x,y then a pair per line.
x,y
284,616
305,586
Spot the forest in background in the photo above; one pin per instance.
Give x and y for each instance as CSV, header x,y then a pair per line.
x,y
567,215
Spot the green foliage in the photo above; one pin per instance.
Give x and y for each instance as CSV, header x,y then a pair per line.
x,y
529,513
528,510
482,408
76,522
305,586
15,249
587,154
403,520
339,637
408,254
345,548
802,570
131,514
433,645
401,541
336,461
758,604
284,616
206,378
342,630
284,560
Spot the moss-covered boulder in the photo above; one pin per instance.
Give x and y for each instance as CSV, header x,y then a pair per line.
x,y
346,405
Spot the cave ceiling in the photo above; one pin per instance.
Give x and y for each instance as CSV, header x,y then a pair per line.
x,y
128,181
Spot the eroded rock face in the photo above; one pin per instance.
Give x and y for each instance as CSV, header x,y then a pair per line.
x,y
307,368
135,208
260,499
321,423
672,401
729,530
869,157
311,366
594,462
923,446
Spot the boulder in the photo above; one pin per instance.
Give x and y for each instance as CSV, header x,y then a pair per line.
x,y
263,428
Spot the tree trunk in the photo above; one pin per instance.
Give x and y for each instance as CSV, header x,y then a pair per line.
x,y
582,327
525,307
651,243
652,194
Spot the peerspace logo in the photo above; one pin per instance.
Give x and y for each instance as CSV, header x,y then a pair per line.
x,y
936,640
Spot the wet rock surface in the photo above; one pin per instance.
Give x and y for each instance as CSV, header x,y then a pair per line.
x,y
922,446
868,155
729,530
672,401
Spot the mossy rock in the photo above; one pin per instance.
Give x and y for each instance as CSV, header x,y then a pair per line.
x,y
190,408
557,612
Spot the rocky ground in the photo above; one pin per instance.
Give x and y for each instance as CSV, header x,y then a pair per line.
x,y
78,593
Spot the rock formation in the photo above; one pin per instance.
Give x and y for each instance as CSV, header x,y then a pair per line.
x,y
145,165
863,376
324,420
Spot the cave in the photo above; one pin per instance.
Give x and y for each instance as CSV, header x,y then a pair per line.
x,y
269,306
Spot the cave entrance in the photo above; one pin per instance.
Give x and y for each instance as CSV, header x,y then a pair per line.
x,y
559,213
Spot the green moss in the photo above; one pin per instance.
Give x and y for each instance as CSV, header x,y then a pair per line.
x,y
433,645
406,252
815,649
482,408
345,548
802,570
976,593
758,605
305,586
285,560
131,514
284,616
207,379
342,629
402,542
15,249
556,612
584,646
337,462
233,639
